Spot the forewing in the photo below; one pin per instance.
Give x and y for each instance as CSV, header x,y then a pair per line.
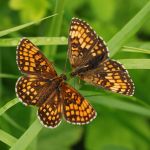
x,y
76,108
110,75
84,45
31,90
50,112
31,61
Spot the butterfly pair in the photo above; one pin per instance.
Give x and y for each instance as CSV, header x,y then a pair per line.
x,y
42,87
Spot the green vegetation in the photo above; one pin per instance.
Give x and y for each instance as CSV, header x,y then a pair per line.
x,y
122,122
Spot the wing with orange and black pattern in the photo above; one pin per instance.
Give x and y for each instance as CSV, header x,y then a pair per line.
x,y
50,112
110,75
84,46
31,61
32,90
76,108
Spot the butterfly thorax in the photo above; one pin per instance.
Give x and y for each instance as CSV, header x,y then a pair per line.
x,y
56,81
53,84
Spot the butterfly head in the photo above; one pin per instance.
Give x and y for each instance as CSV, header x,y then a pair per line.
x,y
72,74
63,76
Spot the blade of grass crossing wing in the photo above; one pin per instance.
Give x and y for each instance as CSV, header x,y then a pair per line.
x,y
8,42
129,29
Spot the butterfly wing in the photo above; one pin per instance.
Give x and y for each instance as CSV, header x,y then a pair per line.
x,y
31,61
50,112
84,45
76,109
32,90
110,75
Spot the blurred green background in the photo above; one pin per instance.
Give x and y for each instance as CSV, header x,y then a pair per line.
x,y
115,128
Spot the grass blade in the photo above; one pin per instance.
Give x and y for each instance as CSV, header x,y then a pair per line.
x,y
135,50
12,122
36,127
7,138
129,29
121,105
136,63
126,123
0,73
23,142
8,42
118,102
114,44
55,27
3,75
8,105
5,32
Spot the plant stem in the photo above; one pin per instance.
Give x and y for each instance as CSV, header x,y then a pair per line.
x,y
55,27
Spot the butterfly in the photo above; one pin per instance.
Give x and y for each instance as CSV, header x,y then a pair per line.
x,y
42,87
89,58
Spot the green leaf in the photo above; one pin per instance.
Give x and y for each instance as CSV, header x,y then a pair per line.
x,y
17,28
104,12
135,50
113,134
12,122
53,136
8,42
129,29
114,45
7,138
35,128
31,133
8,105
11,76
136,63
121,105
55,27
35,9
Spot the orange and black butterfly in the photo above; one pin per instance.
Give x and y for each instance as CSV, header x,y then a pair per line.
x,y
40,86
89,57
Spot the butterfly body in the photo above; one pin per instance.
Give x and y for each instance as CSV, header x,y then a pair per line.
x,y
89,58
92,64
42,87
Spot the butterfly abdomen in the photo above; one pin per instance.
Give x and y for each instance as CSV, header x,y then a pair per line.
x,y
79,71
91,65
